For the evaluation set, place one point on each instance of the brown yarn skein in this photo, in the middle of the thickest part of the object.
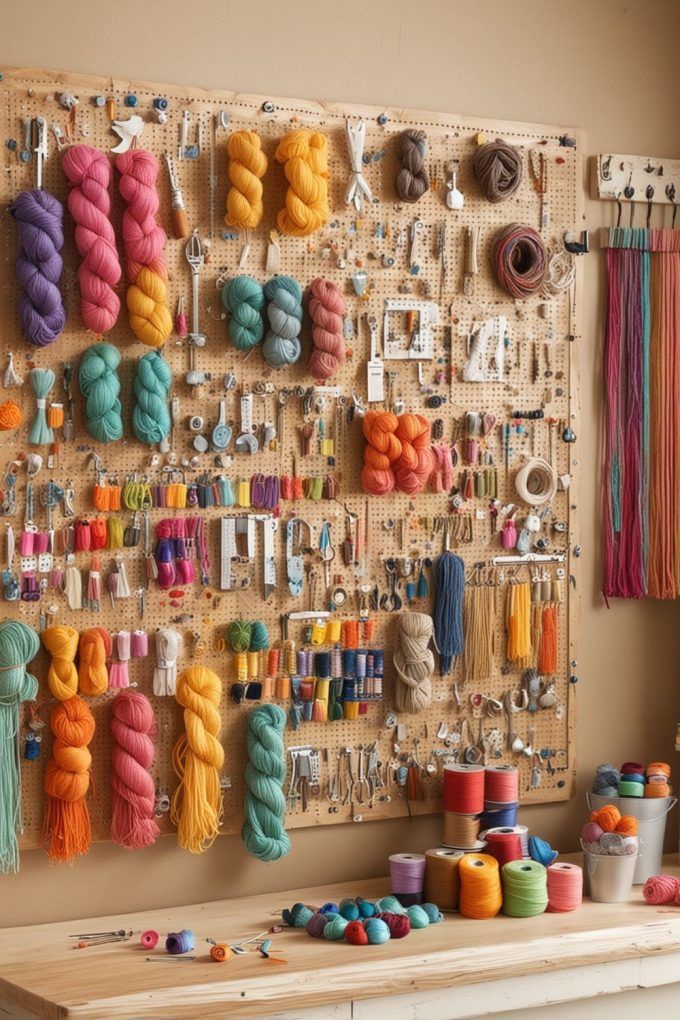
(498, 169)
(412, 178)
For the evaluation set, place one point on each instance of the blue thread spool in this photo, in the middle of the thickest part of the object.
(505, 817)
(322, 665)
(180, 942)
(349, 662)
(361, 664)
(32, 746)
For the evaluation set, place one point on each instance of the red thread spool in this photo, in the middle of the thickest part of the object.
(356, 933)
(149, 939)
(464, 789)
(565, 887)
(504, 846)
(501, 784)
(632, 768)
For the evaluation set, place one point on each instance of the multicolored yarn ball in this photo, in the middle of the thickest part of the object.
(335, 929)
(377, 931)
(316, 924)
(417, 916)
(660, 889)
(399, 924)
(355, 933)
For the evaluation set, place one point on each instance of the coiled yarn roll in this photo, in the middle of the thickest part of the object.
(89, 175)
(519, 260)
(100, 385)
(133, 824)
(263, 832)
(412, 177)
(382, 449)
(282, 344)
(62, 676)
(305, 157)
(39, 217)
(198, 758)
(18, 645)
(247, 165)
(243, 298)
(326, 310)
(414, 663)
(498, 169)
(414, 465)
(94, 648)
(150, 415)
(144, 241)
(67, 780)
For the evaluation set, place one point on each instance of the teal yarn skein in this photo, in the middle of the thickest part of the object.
(377, 931)
(335, 928)
(284, 311)
(263, 832)
(42, 380)
(18, 645)
(259, 636)
(390, 905)
(349, 910)
(417, 916)
(150, 415)
(243, 298)
(433, 912)
(100, 385)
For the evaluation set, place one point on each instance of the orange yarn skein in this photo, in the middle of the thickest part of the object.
(608, 817)
(94, 649)
(11, 416)
(62, 675)
(67, 779)
(382, 450)
(414, 466)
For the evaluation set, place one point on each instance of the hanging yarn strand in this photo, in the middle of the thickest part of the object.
(498, 169)
(326, 310)
(412, 177)
(67, 780)
(247, 167)
(39, 265)
(62, 676)
(413, 663)
(151, 415)
(100, 385)
(42, 380)
(89, 175)
(243, 298)
(304, 155)
(449, 591)
(133, 824)
(282, 343)
(479, 617)
(263, 832)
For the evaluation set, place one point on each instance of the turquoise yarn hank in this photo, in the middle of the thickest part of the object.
(18, 645)
(150, 415)
(390, 905)
(349, 910)
(100, 385)
(42, 381)
(284, 311)
(433, 912)
(335, 928)
(263, 832)
(377, 931)
(243, 298)
(298, 915)
(259, 636)
(417, 916)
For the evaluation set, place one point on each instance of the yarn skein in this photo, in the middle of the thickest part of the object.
(197, 759)
(326, 309)
(243, 298)
(133, 823)
(67, 779)
(42, 380)
(11, 416)
(449, 591)
(150, 415)
(414, 663)
(284, 310)
(62, 676)
(412, 177)
(39, 265)
(263, 832)
(382, 450)
(498, 169)
(100, 385)
(18, 645)
(304, 155)
(247, 165)
(144, 241)
(414, 464)
(89, 175)
(94, 648)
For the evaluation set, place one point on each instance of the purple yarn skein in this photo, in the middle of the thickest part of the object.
(39, 216)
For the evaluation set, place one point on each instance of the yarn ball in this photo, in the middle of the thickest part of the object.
(366, 907)
(541, 851)
(433, 912)
(11, 416)
(259, 636)
(661, 889)
(377, 931)
(608, 817)
(606, 779)
(390, 905)
(220, 952)
(627, 825)
(335, 929)
(150, 415)
(591, 832)
(243, 298)
(238, 635)
(316, 924)
(100, 385)
(632, 768)
(498, 169)
(417, 916)
(349, 910)
(326, 309)
(355, 933)
(284, 312)
(329, 908)
(399, 924)
(299, 915)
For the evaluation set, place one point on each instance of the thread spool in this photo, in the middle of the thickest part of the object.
(521, 830)
(180, 942)
(565, 887)
(407, 877)
(461, 831)
(464, 788)
(481, 896)
(442, 883)
(504, 817)
(504, 846)
(149, 939)
(501, 784)
(525, 892)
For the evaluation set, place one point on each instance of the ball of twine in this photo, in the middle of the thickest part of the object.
(498, 169)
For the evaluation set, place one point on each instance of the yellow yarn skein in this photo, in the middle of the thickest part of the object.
(305, 157)
(148, 312)
(62, 675)
(247, 164)
(197, 758)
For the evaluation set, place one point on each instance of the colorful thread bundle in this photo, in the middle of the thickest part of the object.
(304, 155)
(133, 824)
(281, 345)
(150, 415)
(413, 663)
(565, 887)
(243, 298)
(143, 242)
(67, 780)
(39, 265)
(326, 310)
(89, 175)
(519, 260)
(100, 385)
(247, 167)
(481, 896)
(442, 881)
(412, 179)
(263, 832)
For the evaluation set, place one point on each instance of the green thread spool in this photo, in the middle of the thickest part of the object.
(525, 888)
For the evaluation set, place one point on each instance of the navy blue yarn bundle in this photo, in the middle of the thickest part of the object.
(449, 588)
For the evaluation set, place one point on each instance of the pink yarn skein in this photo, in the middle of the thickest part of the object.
(660, 889)
(326, 309)
(133, 824)
(89, 176)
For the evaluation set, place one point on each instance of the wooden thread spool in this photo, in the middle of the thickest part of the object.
(442, 881)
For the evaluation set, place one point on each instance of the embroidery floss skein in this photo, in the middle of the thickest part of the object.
(62, 676)
(67, 780)
(18, 645)
(281, 345)
(414, 663)
(326, 310)
(498, 169)
(150, 415)
(144, 241)
(39, 217)
(412, 177)
(247, 165)
(243, 298)
(89, 175)
(304, 155)
(263, 832)
(449, 591)
(100, 385)
(133, 824)
(198, 758)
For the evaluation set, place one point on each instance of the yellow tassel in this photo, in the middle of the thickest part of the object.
(305, 157)
(247, 164)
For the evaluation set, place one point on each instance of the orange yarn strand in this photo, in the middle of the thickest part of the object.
(67, 779)
(94, 649)
(62, 676)
(547, 656)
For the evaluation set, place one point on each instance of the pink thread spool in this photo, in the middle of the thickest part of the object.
(149, 939)
(27, 543)
(140, 644)
(565, 887)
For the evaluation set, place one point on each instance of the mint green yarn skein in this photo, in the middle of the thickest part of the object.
(263, 832)
(150, 415)
(243, 298)
(100, 385)
(335, 928)
(417, 916)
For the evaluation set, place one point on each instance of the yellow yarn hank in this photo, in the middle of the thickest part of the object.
(518, 621)
(305, 157)
(148, 312)
(247, 164)
(197, 758)
(62, 676)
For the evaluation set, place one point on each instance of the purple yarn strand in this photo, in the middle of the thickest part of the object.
(39, 216)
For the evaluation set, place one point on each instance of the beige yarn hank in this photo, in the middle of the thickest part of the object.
(479, 627)
(414, 663)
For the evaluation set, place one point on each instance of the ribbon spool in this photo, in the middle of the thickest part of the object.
(495, 817)
(461, 831)
(501, 785)
(442, 882)
(407, 877)
(521, 830)
(464, 789)
(504, 846)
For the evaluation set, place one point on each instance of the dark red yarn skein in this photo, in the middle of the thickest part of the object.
(399, 924)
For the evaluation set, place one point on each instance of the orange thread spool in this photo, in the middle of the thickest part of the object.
(350, 634)
(282, 688)
(481, 895)
(55, 416)
(273, 660)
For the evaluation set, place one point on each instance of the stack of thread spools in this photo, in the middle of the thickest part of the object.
(521, 888)
(478, 798)
(501, 796)
(633, 780)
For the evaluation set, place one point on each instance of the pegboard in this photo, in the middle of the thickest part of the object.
(541, 371)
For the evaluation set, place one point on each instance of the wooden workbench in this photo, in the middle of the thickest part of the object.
(602, 948)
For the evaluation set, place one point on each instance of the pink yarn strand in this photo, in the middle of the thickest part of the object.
(133, 824)
(326, 309)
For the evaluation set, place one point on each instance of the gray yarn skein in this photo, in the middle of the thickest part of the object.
(281, 345)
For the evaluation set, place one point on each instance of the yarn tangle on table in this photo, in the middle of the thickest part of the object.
(39, 265)
(100, 385)
(42, 380)
(198, 758)
(498, 169)
(247, 165)
(94, 648)
(18, 645)
(243, 298)
(143, 242)
(449, 592)
(150, 415)
(304, 155)
(413, 179)
(89, 175)
(284, 310)
(133, 823)
(413, 663)
(62, 676)
(263, 832)
(326, 310)
(67, 779)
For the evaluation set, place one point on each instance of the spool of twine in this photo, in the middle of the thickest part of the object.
(461, 831)
(442, 882)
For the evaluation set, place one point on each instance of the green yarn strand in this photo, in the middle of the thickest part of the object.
(263, 832)
(243, 298)
(150, 415)
(100, 385)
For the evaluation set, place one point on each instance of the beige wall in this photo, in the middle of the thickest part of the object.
(609, 66)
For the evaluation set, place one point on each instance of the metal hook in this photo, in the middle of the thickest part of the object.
(649, 195)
